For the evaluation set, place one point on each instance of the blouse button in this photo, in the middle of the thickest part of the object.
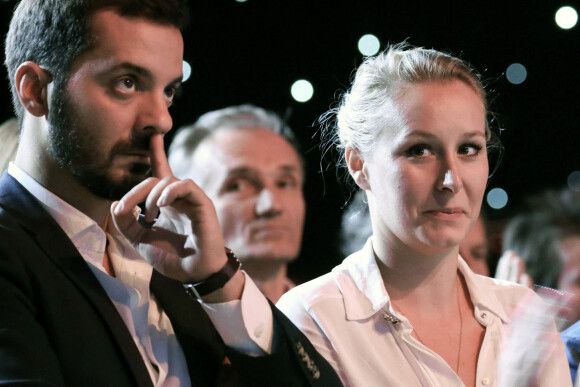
(483, 315)
(485, 381)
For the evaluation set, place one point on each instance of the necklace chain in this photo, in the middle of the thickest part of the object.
(460, 328)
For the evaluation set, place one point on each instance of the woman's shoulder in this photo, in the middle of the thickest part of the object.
(502, 286)
(313, 292)
(501, 294)
(332, 285)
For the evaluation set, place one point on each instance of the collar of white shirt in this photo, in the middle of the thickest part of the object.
(84, 232)
(364, 293)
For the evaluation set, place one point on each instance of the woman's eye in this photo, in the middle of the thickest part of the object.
(470, 150)
(419, 151)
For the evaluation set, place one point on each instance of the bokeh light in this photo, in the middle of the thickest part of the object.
(566, 17)
(497, 198)
(369, 45)
(516, 73)
(186, 71)
(302, 90)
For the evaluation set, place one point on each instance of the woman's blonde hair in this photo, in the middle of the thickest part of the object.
(369, 107)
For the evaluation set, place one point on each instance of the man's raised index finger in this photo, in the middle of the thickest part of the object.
(159, 165)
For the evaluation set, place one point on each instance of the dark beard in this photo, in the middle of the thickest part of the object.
(75, 148)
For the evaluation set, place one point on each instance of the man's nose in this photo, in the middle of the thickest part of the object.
(154, 114)
(267, 205)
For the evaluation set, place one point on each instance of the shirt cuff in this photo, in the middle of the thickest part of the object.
(246, 325)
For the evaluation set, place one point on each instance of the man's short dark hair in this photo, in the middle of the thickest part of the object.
(53, 33)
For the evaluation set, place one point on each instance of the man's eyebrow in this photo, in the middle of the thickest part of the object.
(128, 66)
(290, 169)
(251, 173)
(143, 72)
(242, 172)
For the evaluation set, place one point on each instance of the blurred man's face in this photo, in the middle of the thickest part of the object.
(254, 178)
(473, 249)
(569, 279)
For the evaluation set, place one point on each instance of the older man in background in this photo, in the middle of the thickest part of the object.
(245, 159)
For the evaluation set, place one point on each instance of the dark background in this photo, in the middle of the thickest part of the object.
(253, 52)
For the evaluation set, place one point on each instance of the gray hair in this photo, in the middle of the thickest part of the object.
(188, 138)
(369, 107)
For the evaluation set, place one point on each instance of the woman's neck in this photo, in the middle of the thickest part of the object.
(422, 278)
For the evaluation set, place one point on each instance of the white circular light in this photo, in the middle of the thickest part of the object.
(566, 17)
(302, 90)
(186, 71)
(497, 198)
(369, 45)
(516, 73)
(574, 181)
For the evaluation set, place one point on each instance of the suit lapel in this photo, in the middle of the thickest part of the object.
(54, 242)
(203, 347)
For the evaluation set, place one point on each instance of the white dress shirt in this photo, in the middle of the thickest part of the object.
(347, 315)
(246, 325)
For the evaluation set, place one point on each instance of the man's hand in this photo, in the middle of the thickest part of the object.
(511, 267)
(185, 242)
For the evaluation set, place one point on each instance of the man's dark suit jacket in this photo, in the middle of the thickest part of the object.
(58, 326)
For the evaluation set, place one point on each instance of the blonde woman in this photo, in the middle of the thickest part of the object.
(406, 310)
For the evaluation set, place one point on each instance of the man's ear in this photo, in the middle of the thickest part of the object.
(357, 167)
(32, 87)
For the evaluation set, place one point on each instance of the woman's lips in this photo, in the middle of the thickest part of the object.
(446, 213)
